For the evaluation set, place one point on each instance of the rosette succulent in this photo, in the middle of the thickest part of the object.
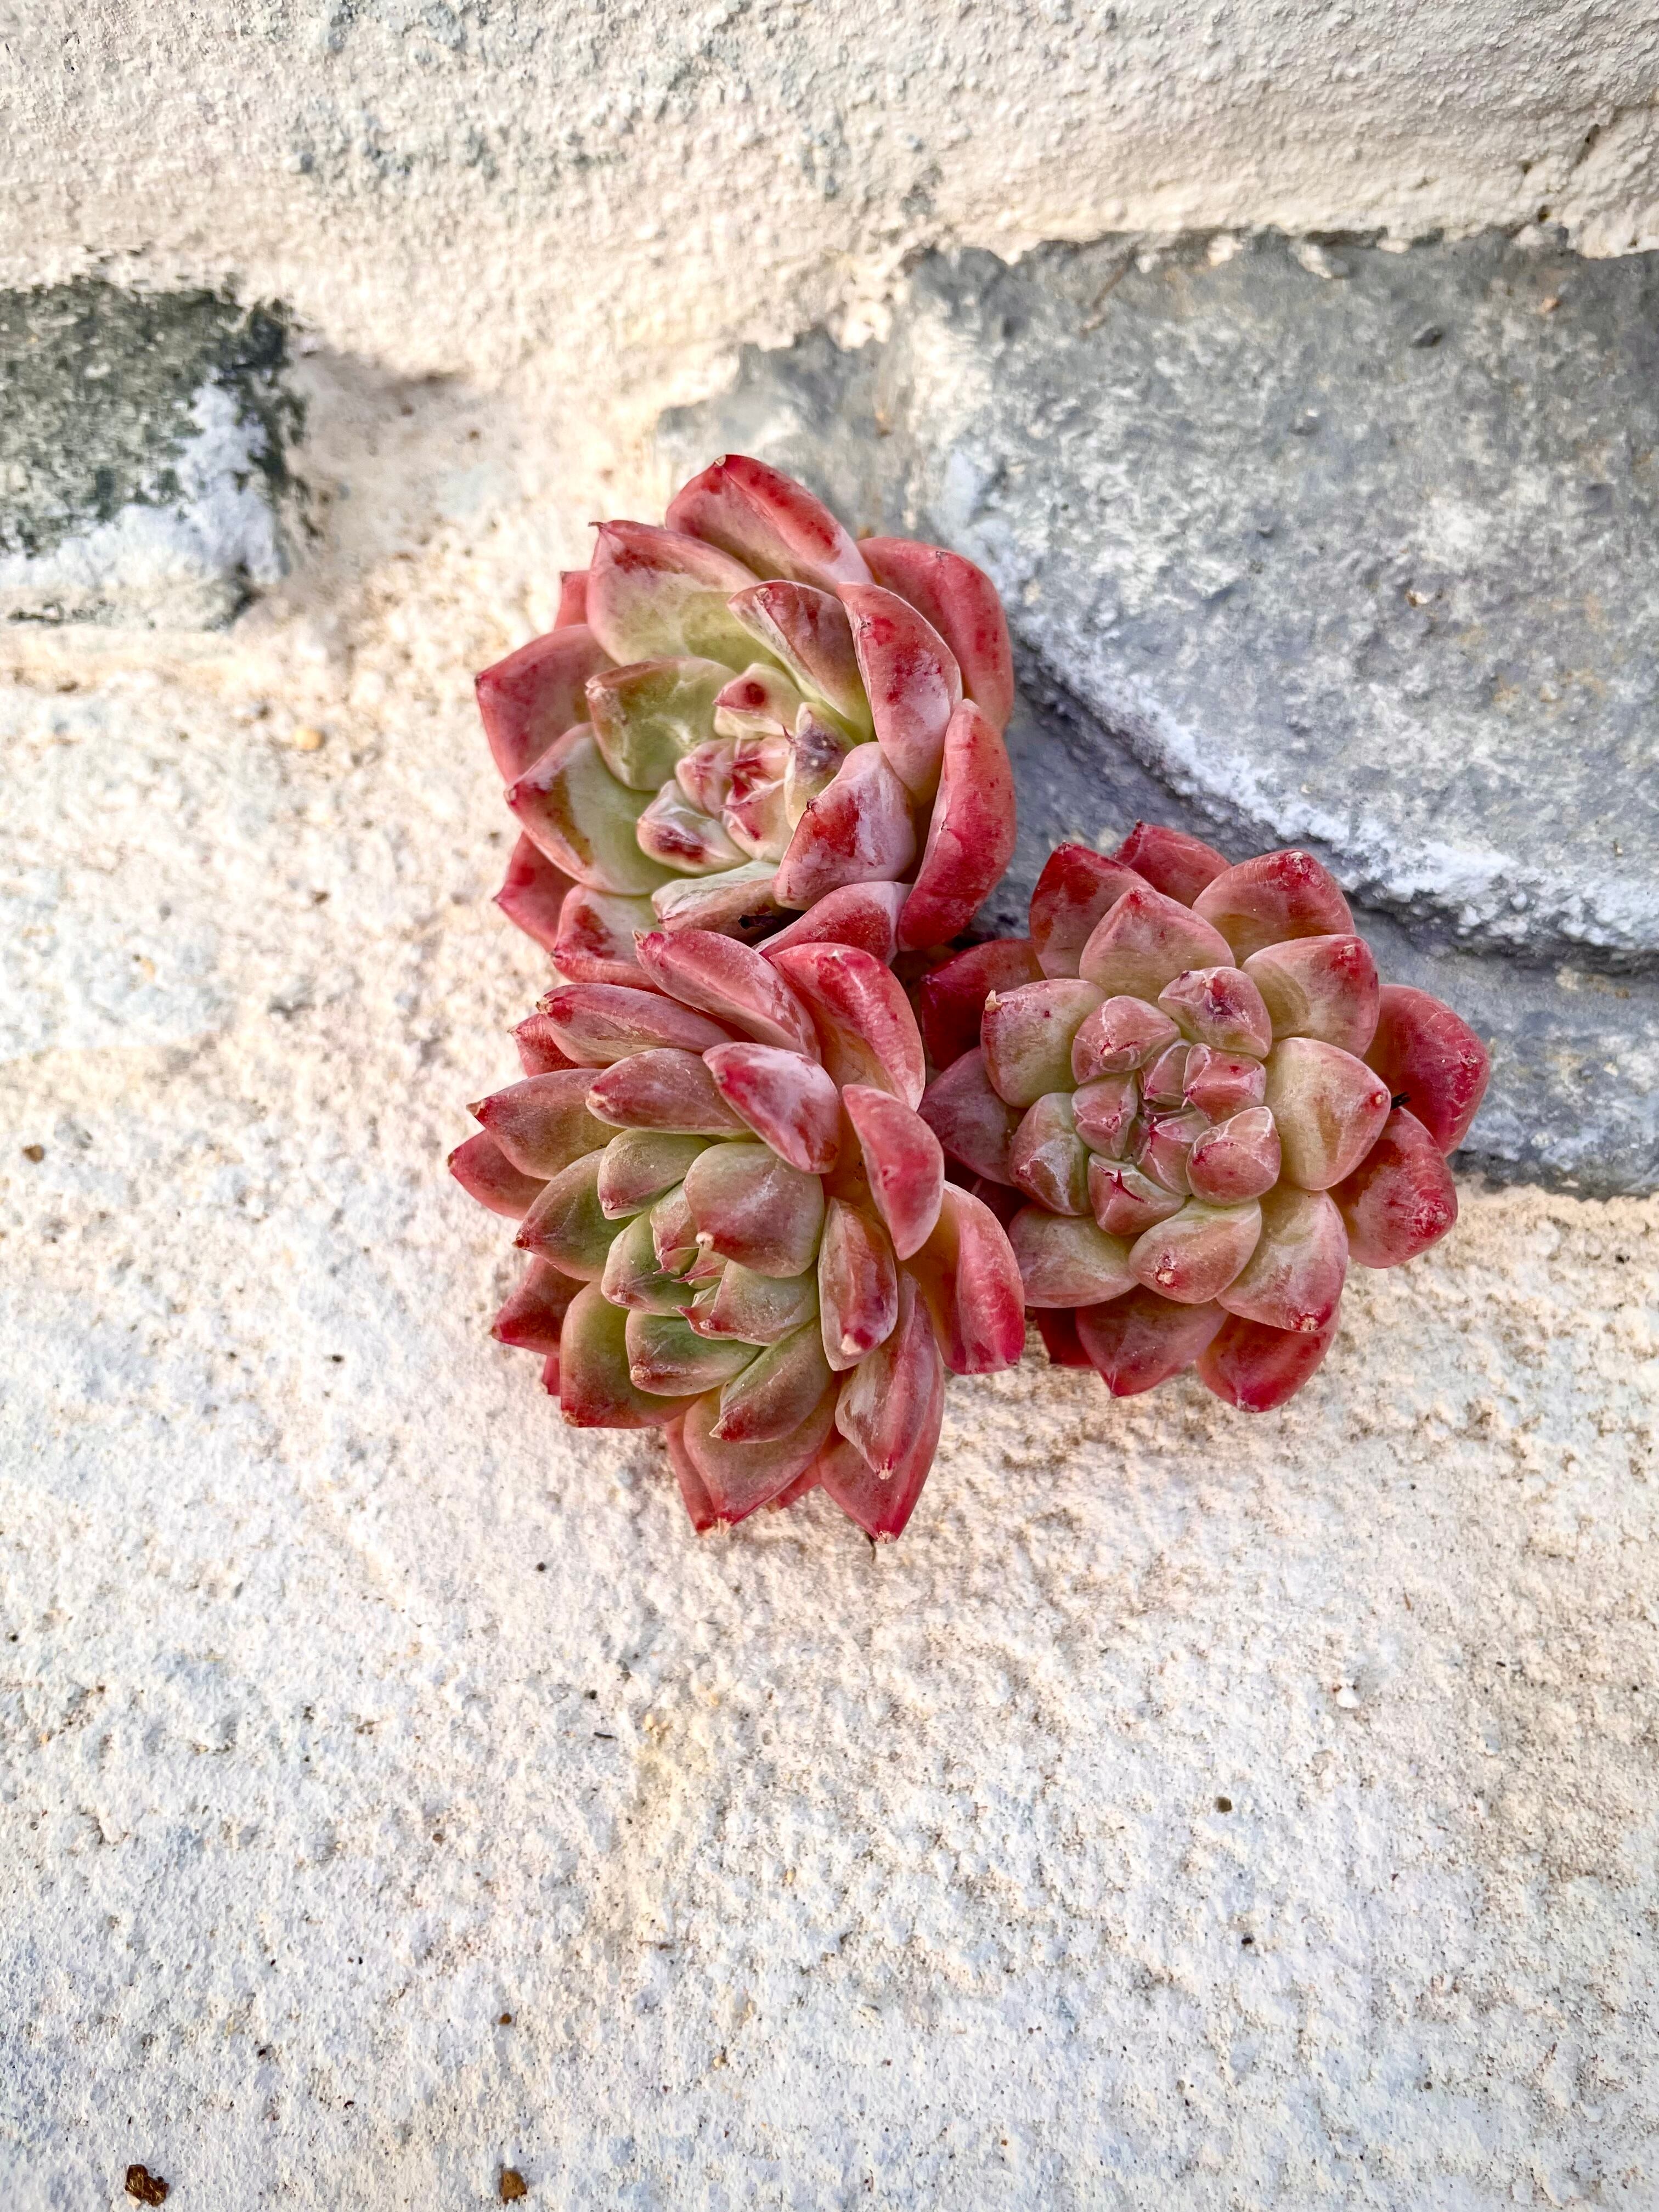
(744, 711)
(1194, 1102)
(740, 1228)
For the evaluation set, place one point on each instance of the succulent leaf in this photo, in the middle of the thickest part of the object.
(857, 829)
(665, 1088)
(596, 1390)
(1329, 1108)
(1047, 1157)
(1432, 1060)
(646, 717)
(1256, 1368)
(968, 1276)
(1194, 1254)
(598, 1023)
(776, 1391)
(751, 1206)
(731, 981)
(858, 1283)
(766, 520)
(910, 679)
(950, 998)
(891, 1406)
(904, 1162)
(970, 838)
(534, 1314)
(807, 631)
(484, 1172)
(1293, 1280)
(532, 893)
(1171, 860)
(961, 603)
(571, 806)
(1400, 1199)
(657, 594)
(1134, 1343)
(787, 1099)
(532, 697)
(866, 1031)
(740, 1477)
(595, 939)
(1064, 1261)
(1075, 892)
(639, 1166)
(1319, 987)
(1144, 941)
(973, 1122)
(758, 1309)
(1274, 897)
(634, 1278)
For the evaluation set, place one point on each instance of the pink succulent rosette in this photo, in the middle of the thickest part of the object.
(743, 712)
(740, 1228)
(1194, 1103)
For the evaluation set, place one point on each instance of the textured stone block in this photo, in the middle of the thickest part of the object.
(142, 455)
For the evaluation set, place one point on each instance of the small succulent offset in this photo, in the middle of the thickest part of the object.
(1194, 1102)
(739, 1227)
(744, 711)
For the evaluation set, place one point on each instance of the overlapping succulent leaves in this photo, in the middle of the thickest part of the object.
(740, 1228)
(744, 711)
(1186, 1094)
(1194, 1102)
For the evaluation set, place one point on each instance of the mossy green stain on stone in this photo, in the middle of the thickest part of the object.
(100, 391)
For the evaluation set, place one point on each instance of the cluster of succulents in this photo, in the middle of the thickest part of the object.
(786, 1153)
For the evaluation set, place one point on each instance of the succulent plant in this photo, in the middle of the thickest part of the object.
(1194, 1102)
(746, 711)
(739, 1229)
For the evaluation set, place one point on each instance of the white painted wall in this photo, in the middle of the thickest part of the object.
(627, 187)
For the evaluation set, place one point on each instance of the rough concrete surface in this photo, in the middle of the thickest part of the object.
(625, 190)
(1191, 1811)
(354, 1705)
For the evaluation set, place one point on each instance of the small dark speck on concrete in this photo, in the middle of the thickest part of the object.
(34, 1152)
(1224, 1804)
(512, 2185)
(148, 2188)
(1247, 1942)
(506, 2020)
(541, 1566)
(1429, 335)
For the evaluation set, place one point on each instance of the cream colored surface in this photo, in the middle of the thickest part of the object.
(353, 1704)
(620, 190)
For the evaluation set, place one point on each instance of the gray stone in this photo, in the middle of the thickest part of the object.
(142, 442)
(1316, 544)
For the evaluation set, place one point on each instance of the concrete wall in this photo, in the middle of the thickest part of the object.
(1193, 1812)
(627, 187)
